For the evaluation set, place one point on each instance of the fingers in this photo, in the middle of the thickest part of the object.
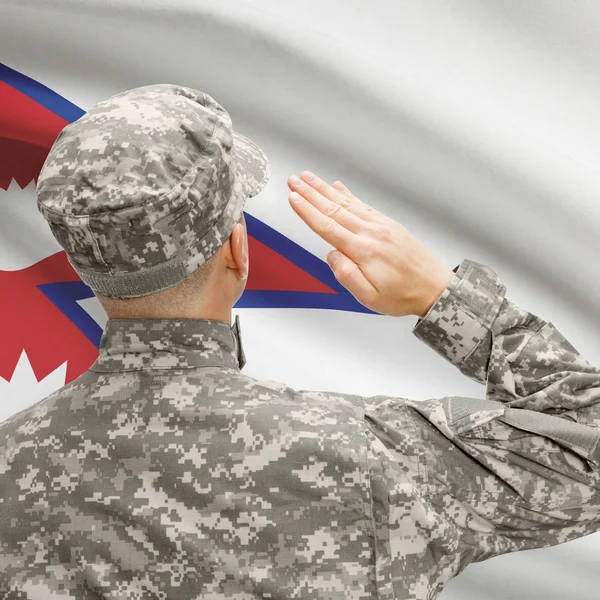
(331, 209)
(351, 277)
(337, 216)
(327, 227)
(344, 197)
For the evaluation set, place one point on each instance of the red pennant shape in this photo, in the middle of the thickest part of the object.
(30, 322)
(278, 273)
(27, 132)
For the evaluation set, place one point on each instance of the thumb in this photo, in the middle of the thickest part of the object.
(351, 277)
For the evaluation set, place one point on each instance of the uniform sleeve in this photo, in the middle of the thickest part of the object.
(520, 467)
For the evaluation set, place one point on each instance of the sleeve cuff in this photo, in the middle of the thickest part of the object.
(463, 314)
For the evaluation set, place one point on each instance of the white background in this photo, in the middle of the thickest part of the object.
(473, 123)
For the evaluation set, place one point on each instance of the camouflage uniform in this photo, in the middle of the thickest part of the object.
(165, 473)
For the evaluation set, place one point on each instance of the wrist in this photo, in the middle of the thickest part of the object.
(433, 292)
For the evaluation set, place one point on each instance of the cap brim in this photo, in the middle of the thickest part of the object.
(252, 165)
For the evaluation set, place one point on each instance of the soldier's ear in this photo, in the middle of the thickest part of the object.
(237, 251)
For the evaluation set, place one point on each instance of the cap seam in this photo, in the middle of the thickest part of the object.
(97, 246)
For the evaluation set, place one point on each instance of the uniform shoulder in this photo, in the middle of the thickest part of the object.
(42, 409)
(277, 389)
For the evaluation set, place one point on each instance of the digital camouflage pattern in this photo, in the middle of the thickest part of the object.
(165, 473)
(146, 186)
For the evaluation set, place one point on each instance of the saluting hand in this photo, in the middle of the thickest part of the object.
(376, 259)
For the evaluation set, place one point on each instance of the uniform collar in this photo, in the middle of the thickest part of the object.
(140, 344)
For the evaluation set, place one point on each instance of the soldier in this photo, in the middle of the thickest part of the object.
(164, 472)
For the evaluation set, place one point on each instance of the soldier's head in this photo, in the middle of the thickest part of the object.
(145, 193)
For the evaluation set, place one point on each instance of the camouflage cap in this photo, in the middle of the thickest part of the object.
(147, 186)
